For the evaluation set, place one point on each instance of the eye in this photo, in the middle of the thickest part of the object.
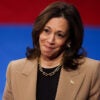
(60, 35)
(46, 30)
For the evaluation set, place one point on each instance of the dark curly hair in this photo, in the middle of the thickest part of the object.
(73, 53)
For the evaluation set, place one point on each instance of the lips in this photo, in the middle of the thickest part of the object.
(48, 48)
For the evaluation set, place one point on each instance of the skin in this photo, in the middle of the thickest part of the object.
(51, 41)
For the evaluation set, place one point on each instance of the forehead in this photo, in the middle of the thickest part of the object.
(59, 23)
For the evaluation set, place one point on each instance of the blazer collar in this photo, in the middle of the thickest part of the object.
(69, 84)
(69, 81)
(30, 70)
(30, 66)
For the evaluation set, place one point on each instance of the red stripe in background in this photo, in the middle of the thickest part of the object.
(25, 11)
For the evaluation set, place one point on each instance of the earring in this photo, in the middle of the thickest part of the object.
(69, 45)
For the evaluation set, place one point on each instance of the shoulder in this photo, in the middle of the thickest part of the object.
(90, 63)
(19, 65)
(18, 61)
(15, 64)
(90, 66)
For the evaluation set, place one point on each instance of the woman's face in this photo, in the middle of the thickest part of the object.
(53, 37)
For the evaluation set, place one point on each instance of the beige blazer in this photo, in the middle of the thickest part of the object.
(82, 84)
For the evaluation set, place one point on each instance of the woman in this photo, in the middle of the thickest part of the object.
(56, 68)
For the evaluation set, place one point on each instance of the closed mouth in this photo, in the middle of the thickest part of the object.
(49, 47)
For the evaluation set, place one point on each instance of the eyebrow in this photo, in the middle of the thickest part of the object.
(47, 27)
(57, 31)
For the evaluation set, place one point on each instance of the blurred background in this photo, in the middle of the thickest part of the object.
(17, 20)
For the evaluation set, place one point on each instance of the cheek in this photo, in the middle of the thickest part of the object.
(41, 40)
(61, 43)
(41, 37)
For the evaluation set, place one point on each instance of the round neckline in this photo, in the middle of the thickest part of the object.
(49, 68)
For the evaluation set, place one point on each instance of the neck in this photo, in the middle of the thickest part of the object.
(50, 63)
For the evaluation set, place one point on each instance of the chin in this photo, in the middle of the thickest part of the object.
(51, 55)
(48, 55)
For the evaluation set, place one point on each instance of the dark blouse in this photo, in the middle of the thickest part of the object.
(47, 85)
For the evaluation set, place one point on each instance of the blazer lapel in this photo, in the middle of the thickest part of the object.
(30, 78)
(30, 66)
(69, 84)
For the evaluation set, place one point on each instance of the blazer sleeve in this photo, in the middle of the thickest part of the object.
(95, 84)
(8, 95)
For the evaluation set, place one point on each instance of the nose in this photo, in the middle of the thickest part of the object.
(51, 39)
